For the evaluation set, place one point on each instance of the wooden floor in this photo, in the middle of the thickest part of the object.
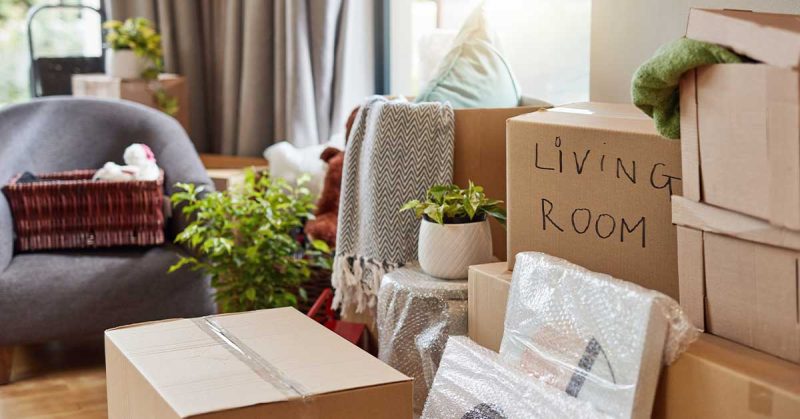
(56, 381)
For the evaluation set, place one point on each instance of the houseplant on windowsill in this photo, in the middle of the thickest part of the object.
(134, 47)
(134, 52)
(246, 240)
(454, 231)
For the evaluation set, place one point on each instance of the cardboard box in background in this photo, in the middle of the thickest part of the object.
(480, 156)
(735, 282)
(184, 368)
(740, 123)
(591, 183)
(488, 287)
(718, 379)
(103, 86)
(225, 179)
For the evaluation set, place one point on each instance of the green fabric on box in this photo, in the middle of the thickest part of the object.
(655, 84)
(473, 74)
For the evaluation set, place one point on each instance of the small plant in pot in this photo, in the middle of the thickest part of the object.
(246, 240)
(134, 48)
(134, 52)
(454, 231)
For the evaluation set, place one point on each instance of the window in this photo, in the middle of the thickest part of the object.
(546, 43)
(56, 33)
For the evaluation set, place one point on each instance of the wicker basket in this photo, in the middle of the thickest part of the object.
(70, 210)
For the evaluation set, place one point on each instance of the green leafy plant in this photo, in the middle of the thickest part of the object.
(246, 240)
(140, 36)
(449, 204)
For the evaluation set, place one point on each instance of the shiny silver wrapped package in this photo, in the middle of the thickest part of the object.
(473, 383)
(416, 313)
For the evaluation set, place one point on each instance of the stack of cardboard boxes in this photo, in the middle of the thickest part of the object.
(591, 183)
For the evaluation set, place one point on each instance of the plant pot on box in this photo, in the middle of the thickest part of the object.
(447, 250)
(125, 64)
(454, 233)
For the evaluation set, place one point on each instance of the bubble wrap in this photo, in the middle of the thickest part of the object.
(474, 383)
(416, 313)
(594, 337)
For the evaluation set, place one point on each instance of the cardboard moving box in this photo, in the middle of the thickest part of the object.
(488, 287)
(739, 277)
(269, 363)
(480, 155)
(227, 179)
(591, 183)
(718, 379)
(104, 86)
(740, 123)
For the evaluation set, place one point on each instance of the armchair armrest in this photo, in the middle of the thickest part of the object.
(6, 234)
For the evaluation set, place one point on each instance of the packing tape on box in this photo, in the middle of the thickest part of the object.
(251, 358)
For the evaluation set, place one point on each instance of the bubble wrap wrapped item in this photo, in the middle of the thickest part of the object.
(473, 383)
(594, 337)
(416, 313)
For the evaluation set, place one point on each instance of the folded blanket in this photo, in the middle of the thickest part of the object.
(396, 151)
(655, 84)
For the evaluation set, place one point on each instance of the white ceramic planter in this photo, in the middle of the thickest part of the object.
(446, 251)
(125, 64)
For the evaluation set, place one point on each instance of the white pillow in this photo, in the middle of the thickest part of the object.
(289, 162)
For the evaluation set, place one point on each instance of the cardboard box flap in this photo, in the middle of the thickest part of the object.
(688, 213)
(767, 37)
(198, 372)
(595, 115)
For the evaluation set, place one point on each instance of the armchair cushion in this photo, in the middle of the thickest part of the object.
(53, 295)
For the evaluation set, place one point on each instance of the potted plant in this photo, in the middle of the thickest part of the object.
(134, 47)
(246, 240)
(454, 231)
(134, 52)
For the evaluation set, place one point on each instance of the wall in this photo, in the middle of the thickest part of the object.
(625, 33)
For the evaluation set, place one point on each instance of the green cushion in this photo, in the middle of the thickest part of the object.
(473, 74)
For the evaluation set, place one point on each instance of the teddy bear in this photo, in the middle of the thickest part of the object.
(323, 226)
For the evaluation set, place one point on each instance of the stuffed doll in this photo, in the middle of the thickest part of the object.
(141, 156)
(140, 164)
(323, 226)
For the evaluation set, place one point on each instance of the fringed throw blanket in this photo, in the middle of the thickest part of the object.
(397, 150)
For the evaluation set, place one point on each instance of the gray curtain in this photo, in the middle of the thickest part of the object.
(261, 71)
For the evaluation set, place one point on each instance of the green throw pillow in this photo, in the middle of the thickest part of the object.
(473, 74)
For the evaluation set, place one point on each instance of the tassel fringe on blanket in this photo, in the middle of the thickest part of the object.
(396, 151)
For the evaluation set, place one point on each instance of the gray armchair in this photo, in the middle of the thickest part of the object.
(60, 294)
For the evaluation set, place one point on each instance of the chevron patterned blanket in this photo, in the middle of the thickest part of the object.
(395, 152)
